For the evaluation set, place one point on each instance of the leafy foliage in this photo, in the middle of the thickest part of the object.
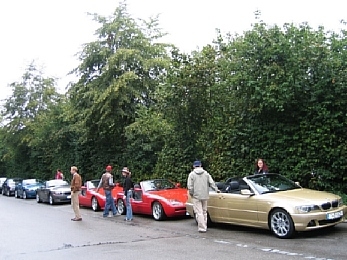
(278, 93)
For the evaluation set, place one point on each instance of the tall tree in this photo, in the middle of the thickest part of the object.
(118, 74)
(31, 97)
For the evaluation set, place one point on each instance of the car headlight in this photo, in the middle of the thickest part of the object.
(307, 208)
(340, 201)
(57, 192)
(175, 202)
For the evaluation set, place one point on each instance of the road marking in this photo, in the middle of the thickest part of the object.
(275, 251)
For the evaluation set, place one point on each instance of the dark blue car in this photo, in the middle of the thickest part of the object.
(26, 189)
(9, 186)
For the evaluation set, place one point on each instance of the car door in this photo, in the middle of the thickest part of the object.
(141, 201)
(42, 191)
(46, 191)
(242, 209)
(82, 197)
(217, 207)
(39, 190)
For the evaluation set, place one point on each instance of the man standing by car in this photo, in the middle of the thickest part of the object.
(128, 187)
(76, 184)
(106, 182)
(199, 182)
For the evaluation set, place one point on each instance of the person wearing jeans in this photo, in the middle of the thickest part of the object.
(127, 189)
(106, 182)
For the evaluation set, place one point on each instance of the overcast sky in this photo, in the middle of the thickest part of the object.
(51, 32)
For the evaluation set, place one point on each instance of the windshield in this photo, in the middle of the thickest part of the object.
(13, 181)
(157, 185)
(33, 185)
(29, 181)
(266, 183)
(93, 184)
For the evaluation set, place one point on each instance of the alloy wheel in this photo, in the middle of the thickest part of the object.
(281, 224)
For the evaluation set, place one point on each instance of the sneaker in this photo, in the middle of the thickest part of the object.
(202, 231)
(116, 215)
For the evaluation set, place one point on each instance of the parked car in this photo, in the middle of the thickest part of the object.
(160, 198)
(26, 189)
(273, 202)
(2, 180)
(96, 200)
(9, 186)
(54, 191)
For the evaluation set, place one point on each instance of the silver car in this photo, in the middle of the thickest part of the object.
(54, 191)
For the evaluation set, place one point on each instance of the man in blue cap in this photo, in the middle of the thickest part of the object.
(198, 184)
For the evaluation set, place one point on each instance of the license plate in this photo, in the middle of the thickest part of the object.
(335, 215)
(69, 197)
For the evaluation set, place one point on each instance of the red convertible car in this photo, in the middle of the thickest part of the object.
(160, 198)
(96, 200)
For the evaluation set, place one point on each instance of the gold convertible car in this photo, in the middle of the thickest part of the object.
(271, 201)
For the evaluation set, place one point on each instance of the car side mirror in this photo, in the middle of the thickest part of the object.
(178, 185)
(297, 183)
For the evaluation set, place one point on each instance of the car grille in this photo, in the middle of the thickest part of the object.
(329, 205)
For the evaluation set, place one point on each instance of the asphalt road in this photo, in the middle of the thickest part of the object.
(40, 231)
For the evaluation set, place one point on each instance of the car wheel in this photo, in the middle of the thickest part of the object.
(24, 195)
(281, 223)
(51, 200)
(16, 194)
(121, 207)
(8, 193)
(38, 200)
(158, 211)
(95, 204)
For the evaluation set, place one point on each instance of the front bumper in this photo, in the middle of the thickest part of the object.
(31, 194)
(316, 220)
(175, 211)
(61, 198)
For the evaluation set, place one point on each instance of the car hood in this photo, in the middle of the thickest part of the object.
(304, 195)
(61, 188)
(171, 194)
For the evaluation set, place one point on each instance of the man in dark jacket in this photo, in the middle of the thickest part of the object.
(106, 182)
(128, 188)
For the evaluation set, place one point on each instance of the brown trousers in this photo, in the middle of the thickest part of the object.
(75, 203)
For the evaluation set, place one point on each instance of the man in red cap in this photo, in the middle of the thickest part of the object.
(106, 182)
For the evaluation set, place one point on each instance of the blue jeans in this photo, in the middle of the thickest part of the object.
(109, 204)
(128, 205)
